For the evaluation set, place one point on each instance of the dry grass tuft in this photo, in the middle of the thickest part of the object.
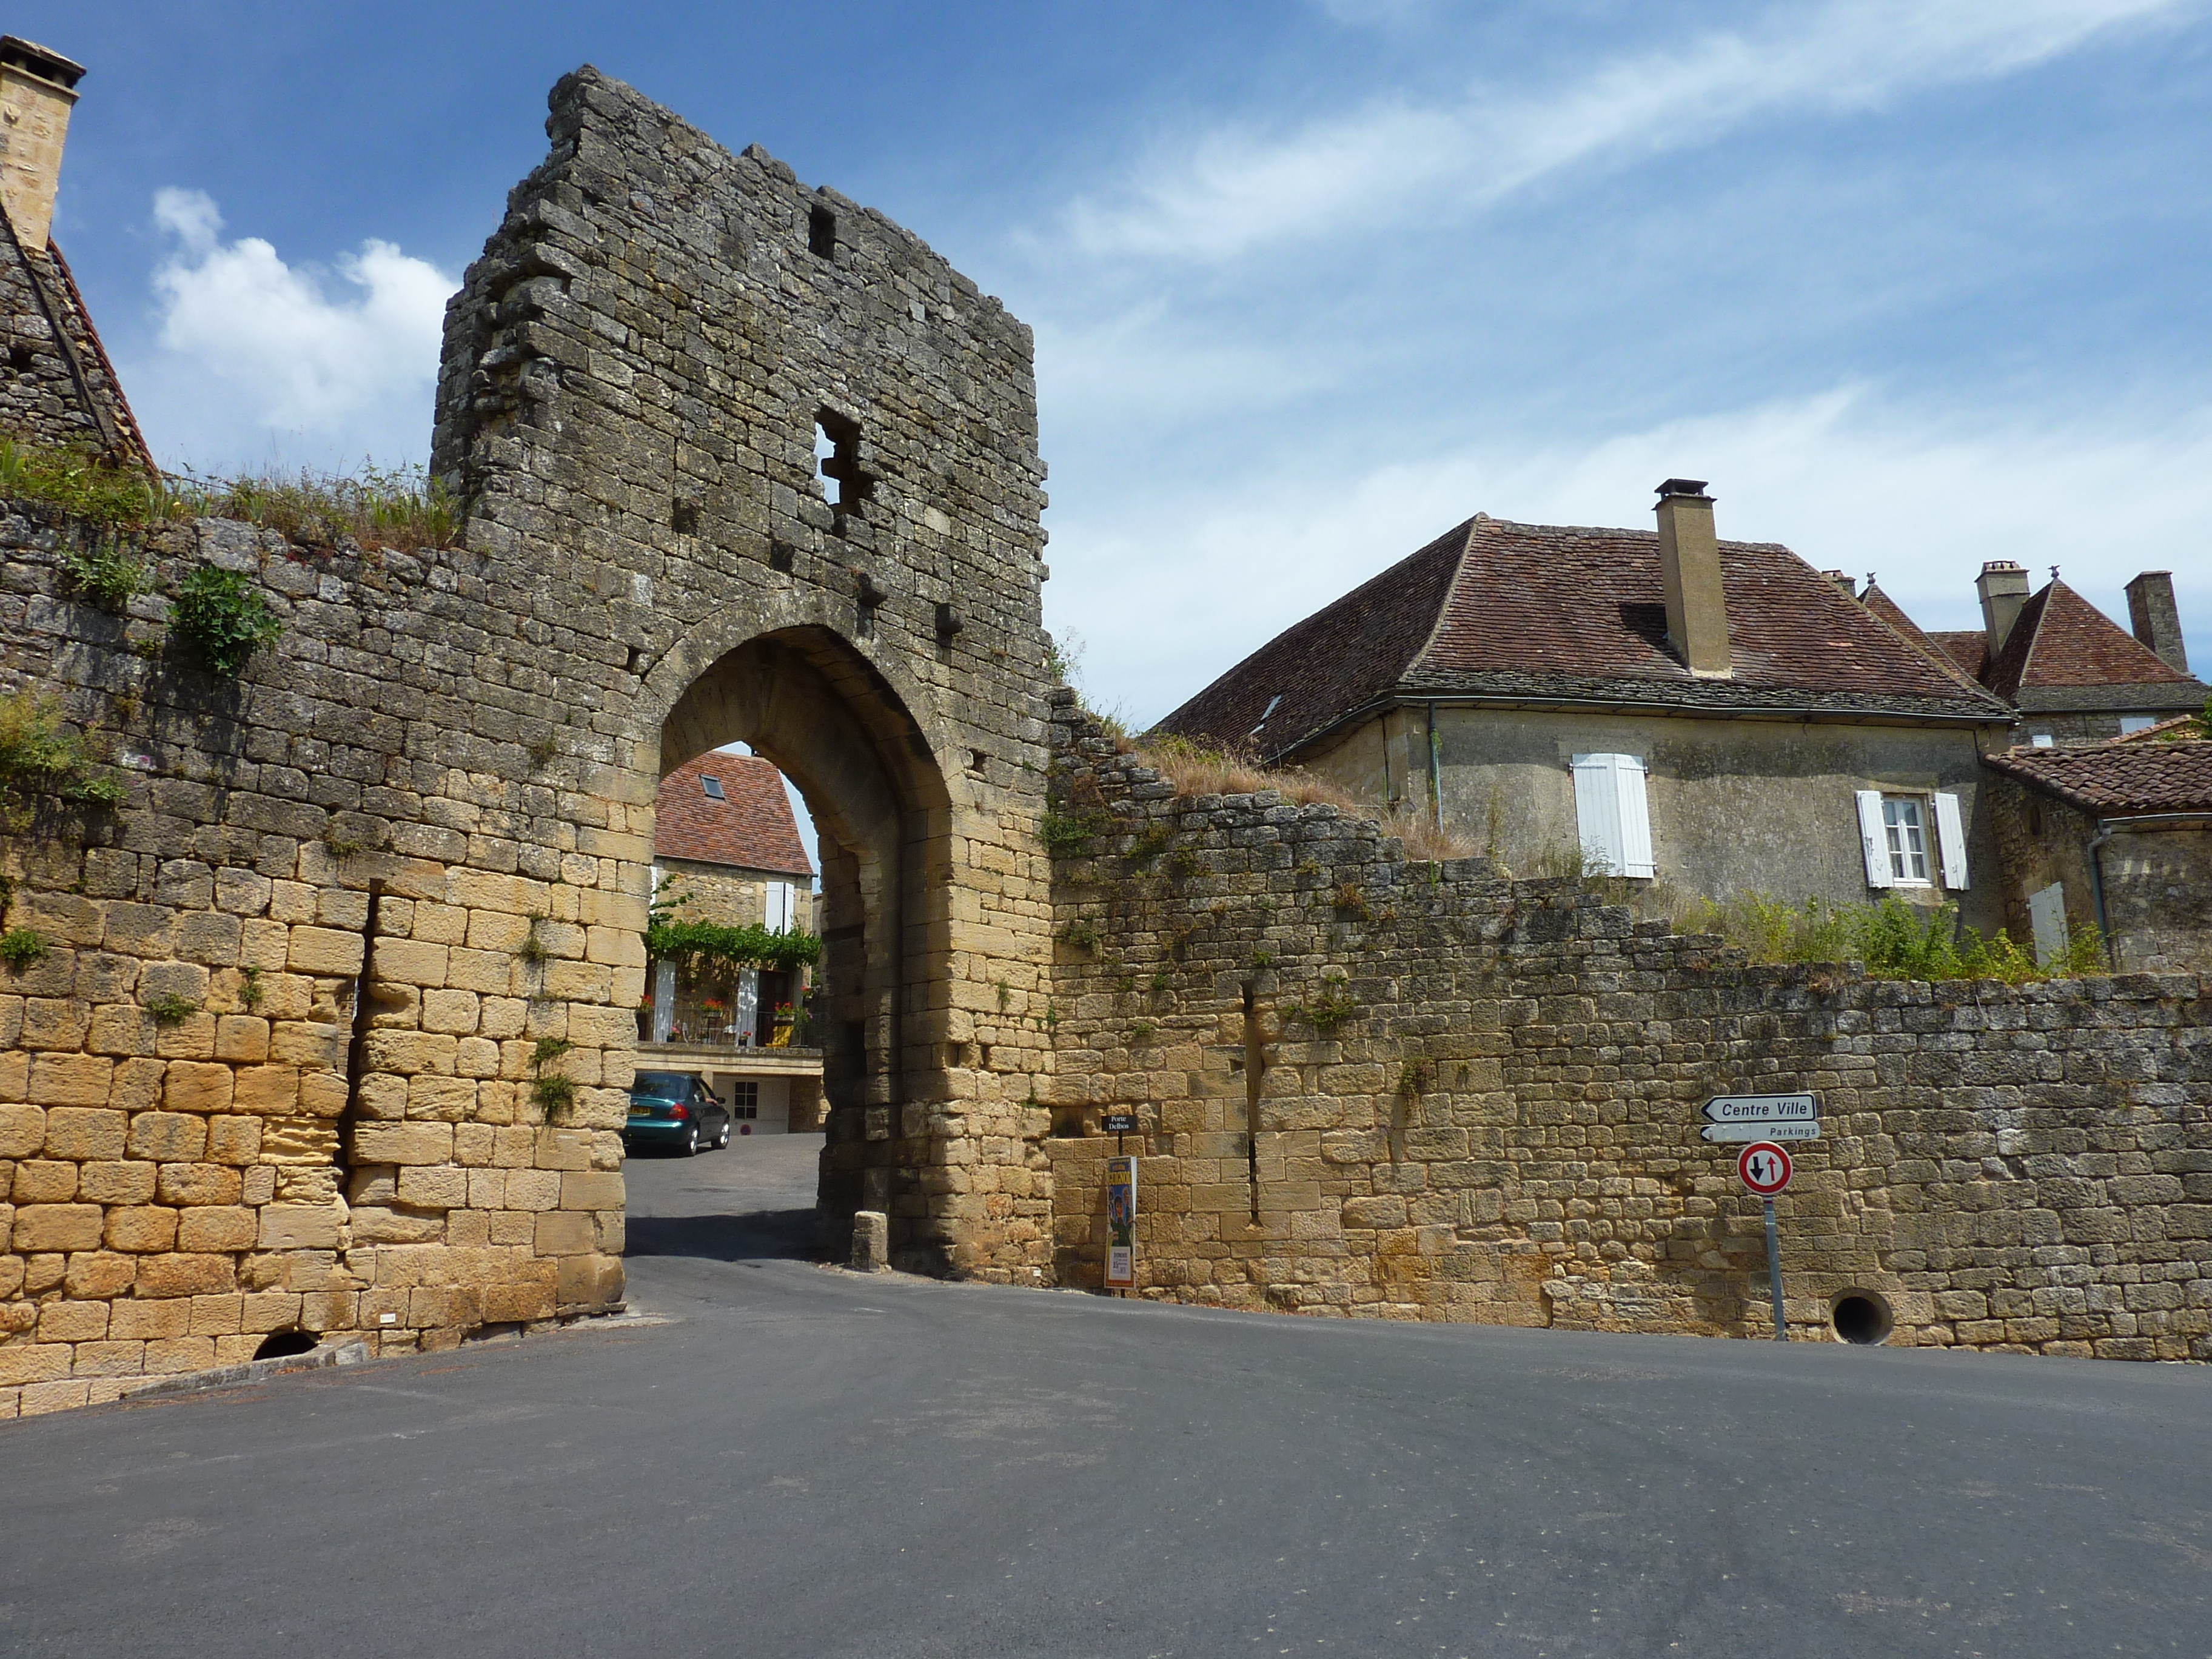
(1198, 768)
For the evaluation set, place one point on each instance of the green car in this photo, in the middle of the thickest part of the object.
(675, 1111)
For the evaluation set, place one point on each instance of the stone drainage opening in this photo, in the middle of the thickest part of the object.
(1861, 1317)
(282, 1344)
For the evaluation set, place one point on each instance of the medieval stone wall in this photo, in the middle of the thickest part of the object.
(1480, 1101)
(279, 1066)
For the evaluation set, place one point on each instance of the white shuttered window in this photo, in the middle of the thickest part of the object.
(1874, 838)
(1950, 843)
(1611, 815)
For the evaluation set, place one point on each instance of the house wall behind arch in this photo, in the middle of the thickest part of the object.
(464, 744)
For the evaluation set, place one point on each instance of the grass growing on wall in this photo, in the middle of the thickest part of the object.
(1200, 769)
(1894, 940)
(400, 507)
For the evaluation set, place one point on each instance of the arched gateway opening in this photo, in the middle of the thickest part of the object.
(804, 699)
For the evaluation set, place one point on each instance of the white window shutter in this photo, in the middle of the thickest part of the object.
(1635, 817)
(1597, 813)
(1874, 839)
(1950, 843)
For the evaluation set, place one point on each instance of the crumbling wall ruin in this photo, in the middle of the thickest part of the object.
(1480, 1101)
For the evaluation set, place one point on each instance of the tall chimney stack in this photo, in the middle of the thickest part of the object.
(37, 90)
(2156, 622)
(1690, 563)
(2003, 587)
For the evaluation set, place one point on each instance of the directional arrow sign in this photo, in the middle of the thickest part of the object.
(1762, 1109)
(1803, 1129)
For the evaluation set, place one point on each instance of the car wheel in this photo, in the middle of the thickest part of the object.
(690, 1148)
(723, 1139)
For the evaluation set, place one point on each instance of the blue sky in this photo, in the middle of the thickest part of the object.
(1915, 285)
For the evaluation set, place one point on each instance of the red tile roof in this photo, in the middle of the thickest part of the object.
(2064, 652)
(1968, 647)
(1933, 647)
(1516, 612)
(2117, 777)
(751, 827)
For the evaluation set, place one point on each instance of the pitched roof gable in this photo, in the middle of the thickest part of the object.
(1569, 614)
(1345, 655)
(2061, 642)
(751, 828)
(2118, 777)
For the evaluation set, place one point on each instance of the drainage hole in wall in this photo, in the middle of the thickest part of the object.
(282, 1344)
(1861, 1317)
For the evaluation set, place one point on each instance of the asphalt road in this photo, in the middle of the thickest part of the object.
(805, 1461)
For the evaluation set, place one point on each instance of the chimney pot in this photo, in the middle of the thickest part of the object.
(2003, 586)
(1689, 566)
(2156, 621)
(1851, 590)
(37, 89)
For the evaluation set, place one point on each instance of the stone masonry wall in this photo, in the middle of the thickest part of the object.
(1480, 1101)
(276, 1068)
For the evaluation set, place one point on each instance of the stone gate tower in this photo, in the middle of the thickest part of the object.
(638, 373)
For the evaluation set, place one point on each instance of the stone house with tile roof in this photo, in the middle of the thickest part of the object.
(726, 849)
(1715, 714)
(57, 386)
(2115, 833)
(2074, 675)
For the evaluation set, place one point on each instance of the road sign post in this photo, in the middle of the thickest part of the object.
(1765, 1168)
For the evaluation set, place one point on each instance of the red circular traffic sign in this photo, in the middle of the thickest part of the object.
(1764, 1167)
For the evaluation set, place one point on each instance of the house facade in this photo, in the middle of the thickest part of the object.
(726, 851)
(1718, 715)
(2115, 834)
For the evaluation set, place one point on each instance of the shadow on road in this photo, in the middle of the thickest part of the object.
(756, 1236)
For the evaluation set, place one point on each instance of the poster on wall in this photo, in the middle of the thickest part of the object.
(1120, 1223)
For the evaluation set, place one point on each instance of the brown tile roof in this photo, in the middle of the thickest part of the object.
(2119, 777)
(1885, 610)
(2064, 652)
(1513, 612)
(1968, 647)
(751, 827)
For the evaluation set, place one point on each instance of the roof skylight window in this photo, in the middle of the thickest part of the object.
(713, 788)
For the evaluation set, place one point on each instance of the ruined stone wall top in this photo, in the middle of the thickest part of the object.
(633, 373)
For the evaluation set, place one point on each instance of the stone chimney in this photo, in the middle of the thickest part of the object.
(1849, 588)
(2003, 587)
(1690, 565)
(37, 89)
(2157, 623)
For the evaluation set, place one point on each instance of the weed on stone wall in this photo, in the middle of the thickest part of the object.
(106, 575)
(225, 616)
(41, 757)
(401, 507)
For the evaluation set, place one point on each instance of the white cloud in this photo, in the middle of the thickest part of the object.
(1171, 591)
(1225, 192)
(257, 358)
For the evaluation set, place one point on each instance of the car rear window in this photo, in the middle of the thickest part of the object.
(660, 1085)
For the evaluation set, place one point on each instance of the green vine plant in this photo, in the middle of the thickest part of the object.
(712, 944)
(19, 947)
(553, 1093)
(1083, 933)
(170, 1009)
(1329, 1011)
(532, 951)
(1065, 834)
(105, 576)
(226, 616)
(250, 988)
(41, 757)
